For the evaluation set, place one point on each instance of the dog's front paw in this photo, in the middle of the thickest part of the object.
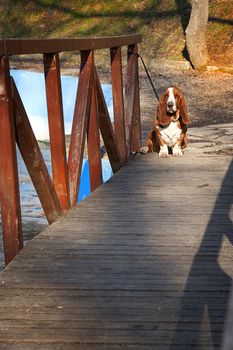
(144, 149)
(177, 151)
(163, 153)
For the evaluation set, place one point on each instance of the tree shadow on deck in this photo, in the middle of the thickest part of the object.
(205, 297)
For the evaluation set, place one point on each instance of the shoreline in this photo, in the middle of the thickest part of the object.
(200, 88)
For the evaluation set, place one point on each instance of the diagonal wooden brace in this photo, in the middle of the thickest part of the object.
(81, 115)
(107, 129)
(33, 160)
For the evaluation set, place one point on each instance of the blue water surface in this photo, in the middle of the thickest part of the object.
(85, 187)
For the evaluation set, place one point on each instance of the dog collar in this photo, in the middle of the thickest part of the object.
(177, 117)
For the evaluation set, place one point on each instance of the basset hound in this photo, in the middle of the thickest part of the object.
(170, 125)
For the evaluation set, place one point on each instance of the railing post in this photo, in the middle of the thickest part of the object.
(136, 118)
(118, 100)
(9, 184)
(132, 102)
(56, 128)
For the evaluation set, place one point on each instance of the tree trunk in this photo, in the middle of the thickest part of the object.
(196, 34)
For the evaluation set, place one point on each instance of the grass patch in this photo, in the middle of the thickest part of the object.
(161, 22)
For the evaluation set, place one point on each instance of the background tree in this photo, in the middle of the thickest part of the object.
(196, 34)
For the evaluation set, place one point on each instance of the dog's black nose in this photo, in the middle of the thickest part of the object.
(170, 104)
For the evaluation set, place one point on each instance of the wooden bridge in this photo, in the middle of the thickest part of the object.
(145, 262)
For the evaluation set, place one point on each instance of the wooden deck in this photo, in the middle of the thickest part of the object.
(144, 263)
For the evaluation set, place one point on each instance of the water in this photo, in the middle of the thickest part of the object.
(31, 86)
(30, 204)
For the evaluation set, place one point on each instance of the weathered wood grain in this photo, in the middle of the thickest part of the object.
(145, 262)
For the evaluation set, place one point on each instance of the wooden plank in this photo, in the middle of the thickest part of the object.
(228, 329)
(56, 128)
(81, 115)
(118, 100)
(107, 129)
(9, 184)
(36, 46)
(33, 160)
(10, 291)
(70, 335)
(93, 142)
(59, 346)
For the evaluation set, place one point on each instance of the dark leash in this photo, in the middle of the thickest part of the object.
(153, 87)
(148, 75)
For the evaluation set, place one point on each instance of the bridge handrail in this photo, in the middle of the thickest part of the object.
(11, 46)
(59, 194)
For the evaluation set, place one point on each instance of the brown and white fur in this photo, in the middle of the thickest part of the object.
(170, 125)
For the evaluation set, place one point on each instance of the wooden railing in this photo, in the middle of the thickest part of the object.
(59, 194)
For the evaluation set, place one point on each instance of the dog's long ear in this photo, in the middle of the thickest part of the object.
(183, 110)
(161, 114)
